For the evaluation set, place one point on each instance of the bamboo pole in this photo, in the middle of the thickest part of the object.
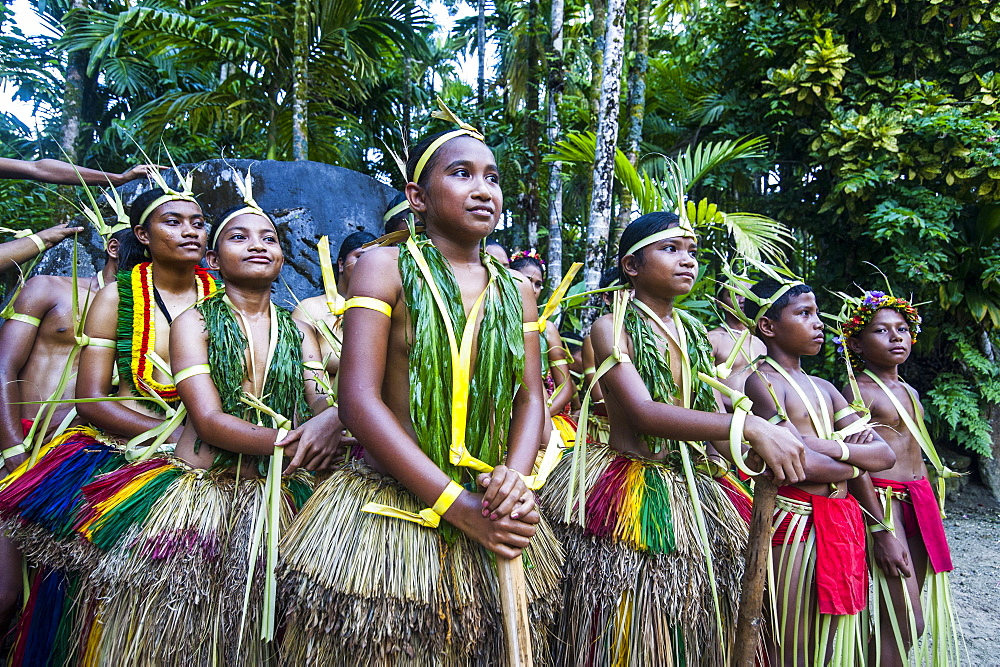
(514, 606)
(750, 618)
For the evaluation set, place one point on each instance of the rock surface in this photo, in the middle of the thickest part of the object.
(305, 199)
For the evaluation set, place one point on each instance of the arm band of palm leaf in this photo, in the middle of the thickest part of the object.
(26, 319)
(378, 305)
(429, 517)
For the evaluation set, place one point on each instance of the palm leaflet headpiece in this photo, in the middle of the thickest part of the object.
(444, 113)
(250, 205)
(185, 193)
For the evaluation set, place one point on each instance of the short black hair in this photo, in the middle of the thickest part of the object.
(349, 245)
(213, 235)
(398, 221)
(767, 288)
(639, 229)
(525, 260)
(414, 157)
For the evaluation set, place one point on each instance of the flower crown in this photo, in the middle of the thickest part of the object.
(531, 254)
(862, 314)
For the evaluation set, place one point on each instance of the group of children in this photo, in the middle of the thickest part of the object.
(336, 486)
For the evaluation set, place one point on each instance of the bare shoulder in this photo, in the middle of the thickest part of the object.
(377, 274)
(189, 322)
(826, 386)
(40, 293)
(311, 309)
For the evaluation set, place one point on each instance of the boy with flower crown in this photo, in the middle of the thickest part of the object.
(907, 546)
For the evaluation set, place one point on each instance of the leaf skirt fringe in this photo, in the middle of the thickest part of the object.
(801, 635)
(364, 589)
(636, 587)
(176, 545)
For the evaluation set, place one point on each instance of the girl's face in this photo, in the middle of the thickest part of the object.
(462, 194)
(175, 232)
(247, 250)
(668, 267)
(534, 276)
(885, 342)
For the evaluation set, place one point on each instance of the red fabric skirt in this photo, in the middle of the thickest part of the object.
(922, 514)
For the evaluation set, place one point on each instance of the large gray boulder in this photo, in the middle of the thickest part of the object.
(306, 200)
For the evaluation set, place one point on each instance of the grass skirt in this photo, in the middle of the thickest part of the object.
(636, 589)
(39, 505)
(170, 584)
(364, 589)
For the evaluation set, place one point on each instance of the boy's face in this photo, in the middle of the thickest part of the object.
(668, 267)
(463, 190)
(248, 250)
(799, 331)
(885, 342)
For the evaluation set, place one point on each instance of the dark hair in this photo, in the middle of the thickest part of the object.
(525, 260)
(349, 245)
(130, 251)
(414, 157)
(222, 216)
(765, 289)
(398, 221)
(609, 276)
(572, 340)
(639, 229)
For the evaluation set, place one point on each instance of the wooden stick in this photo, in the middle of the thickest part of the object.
(514, 605)
(750, 619)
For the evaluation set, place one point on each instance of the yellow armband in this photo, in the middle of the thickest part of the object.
(533, 327)
(880, 527)
(100, 342)
(378, 305)
(27, 319)
(845, 452)
(589, 370)
(429, 517)
(559, 362)
(191, 371)
(314, 365)
(38, 242)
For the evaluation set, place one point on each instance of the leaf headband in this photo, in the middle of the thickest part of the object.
(444, 113)
(245, 186)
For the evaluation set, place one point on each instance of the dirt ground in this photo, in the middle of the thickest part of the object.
(973, 527)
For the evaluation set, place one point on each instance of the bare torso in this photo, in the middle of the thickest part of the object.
(723, 341)
(798, 415)
(888, 424)
(55, 338)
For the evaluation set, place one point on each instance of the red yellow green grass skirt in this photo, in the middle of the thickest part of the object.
(170, 585)
(364, 589)
(636, 586)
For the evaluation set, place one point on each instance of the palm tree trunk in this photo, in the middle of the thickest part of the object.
(300, 82)
(598, 28)
(481, 48)
(604, 155)
(635, 105)
(72, 111)
(532, 131)
(555, 86)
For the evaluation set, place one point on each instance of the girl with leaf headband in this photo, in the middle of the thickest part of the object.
(126, 330)
(247, 374)
(908, 552)
(392, 560)
(654, 546)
